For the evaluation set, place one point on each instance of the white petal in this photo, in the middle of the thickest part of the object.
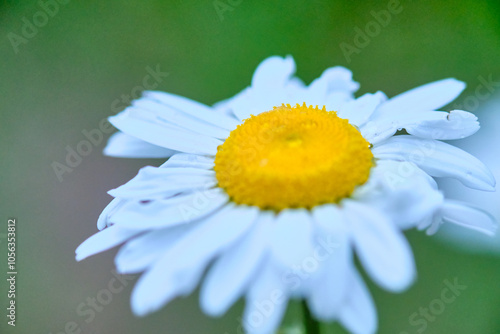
(465, 215)
(224, 106)
(408, 206)
(483, 145)
(215, 234)
(438, 159)
(247, 103)
(336, 100)
(174, 276)
(152, 182)
(292, 237)
(104, 240)
(456, 124)
(266, 302)
(294, 89)
(179, 118)
(189, 160)
(273, 71)
(143, 251)
(334, 86)
(359, 314)
(403, 192)
(271, 87)
(329, 218)
(431, 96)
(109, 210)
(163, 135)
(381, 248)
(193, 108)
(359, 111)
(121, 145)
(334, 257)
(296, 84)
(231, 273)
(176, 210)
(432, 222)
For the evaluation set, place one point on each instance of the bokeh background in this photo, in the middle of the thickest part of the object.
(67, 77)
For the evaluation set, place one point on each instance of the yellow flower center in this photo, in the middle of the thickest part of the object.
(293, 157)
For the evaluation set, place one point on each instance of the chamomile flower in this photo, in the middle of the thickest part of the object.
(273, 191)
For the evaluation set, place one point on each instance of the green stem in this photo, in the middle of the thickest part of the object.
(311, 325)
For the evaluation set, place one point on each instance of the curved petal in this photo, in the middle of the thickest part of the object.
(329, 218)
(438, 159)
(484, 146)
(456, 124)
(382, 249)
(229, 276)
(273, 71)
(163, 135)
(193, 108)
(294, 90)
(171, 276)
(266, 302)
(104, 240)
(292, 237)
(431, 96)
(143, 251)
(270, 88)
(333, 88)
(153, 182)
(359, 314)
(402, 191)
(189, 160)
(333, 252)
(169, 212)
(246, 104)
(465, 215)
(358, 111)
(109, 210)
(178, 118)
(121, 145)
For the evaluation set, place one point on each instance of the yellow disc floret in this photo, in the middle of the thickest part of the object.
(293, 157)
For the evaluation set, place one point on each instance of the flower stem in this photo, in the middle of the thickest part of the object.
(311, 325)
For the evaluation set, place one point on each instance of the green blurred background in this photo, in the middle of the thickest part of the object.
(66, 77)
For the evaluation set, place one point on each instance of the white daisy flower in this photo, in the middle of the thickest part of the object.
(273, 196)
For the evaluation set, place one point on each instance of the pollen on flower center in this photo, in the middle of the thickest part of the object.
(293, 157)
